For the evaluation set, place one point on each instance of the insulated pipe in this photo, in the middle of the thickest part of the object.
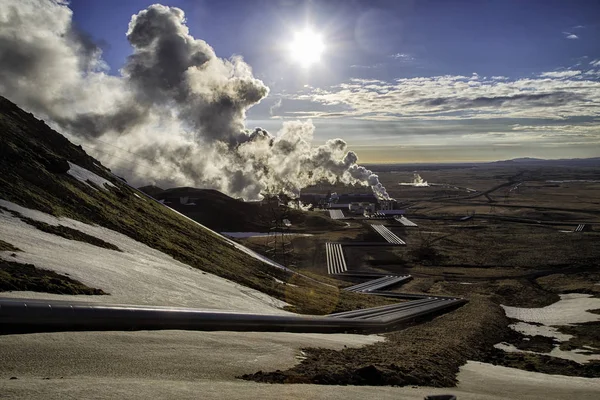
(21, 315)
(367, 311)
(376, 284)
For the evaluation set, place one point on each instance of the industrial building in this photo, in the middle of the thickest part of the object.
(351, 203)
(361, 203)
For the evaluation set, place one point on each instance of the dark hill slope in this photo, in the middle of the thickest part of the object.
(33, 165)
(151, 190)
(226, 214)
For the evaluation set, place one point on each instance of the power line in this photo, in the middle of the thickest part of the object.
(145, 158)
(148, 162)
(120, 148)
(121, 158)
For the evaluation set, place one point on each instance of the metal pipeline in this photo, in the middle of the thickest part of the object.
(22, 315)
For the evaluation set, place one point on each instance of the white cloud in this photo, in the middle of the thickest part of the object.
(402, 56)
(275, 107)
(569, 35)
(560, 74)
(595, 63)
(582, 130)
(592, 73)
(553, 95)
(374, 66)
(368, 81)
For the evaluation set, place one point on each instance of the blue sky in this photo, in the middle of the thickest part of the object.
(418, 80)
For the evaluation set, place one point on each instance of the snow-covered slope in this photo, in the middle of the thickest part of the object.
(137, 275)
(83, 175)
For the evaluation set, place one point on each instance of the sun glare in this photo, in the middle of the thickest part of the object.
(307, 48)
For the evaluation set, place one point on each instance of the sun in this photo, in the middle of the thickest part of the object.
(307, 47)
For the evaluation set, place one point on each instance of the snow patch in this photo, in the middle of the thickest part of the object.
(284, 283)
(575, 181)
(571, 309)
(477, 380)
(85, 176)
(137, 275)
(540, 330)
(572, 355)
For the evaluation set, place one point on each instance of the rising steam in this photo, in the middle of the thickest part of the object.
(417, 181)
(176, 108)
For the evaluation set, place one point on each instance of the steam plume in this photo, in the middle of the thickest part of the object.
(417, 181)
(176, 108)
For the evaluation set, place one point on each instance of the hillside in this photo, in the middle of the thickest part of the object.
(151, 190)
(43, 171)
(226, 214)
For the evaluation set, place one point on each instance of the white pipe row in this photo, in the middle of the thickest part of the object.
(388, 235)
(336, 214)
(336, 263)
(405, 221)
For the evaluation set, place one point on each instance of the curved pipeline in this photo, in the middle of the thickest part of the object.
(20, 316)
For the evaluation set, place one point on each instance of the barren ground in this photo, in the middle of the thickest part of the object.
(517, 250)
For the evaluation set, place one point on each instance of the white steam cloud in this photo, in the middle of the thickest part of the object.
(176, 108)
(417, 182)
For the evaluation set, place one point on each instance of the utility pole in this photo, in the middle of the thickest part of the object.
(279, 244)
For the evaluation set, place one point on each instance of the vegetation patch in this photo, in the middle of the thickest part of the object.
(426, 254)
(70, 233)
(452, 245)
(584, 282)
(510, 292)
(542, 363)
(536, 343)
(5, 246)
(429, 354)
(586, 336)
(26, 277)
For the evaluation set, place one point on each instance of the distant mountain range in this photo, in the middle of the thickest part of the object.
(595, 161)
(524, 161)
